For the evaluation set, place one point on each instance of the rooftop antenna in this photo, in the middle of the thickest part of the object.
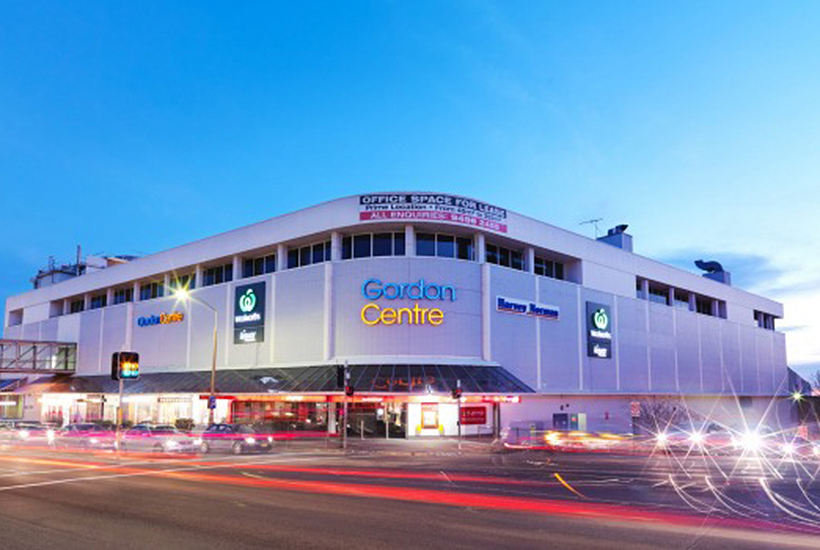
(594, 223)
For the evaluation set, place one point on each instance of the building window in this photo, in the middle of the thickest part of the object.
(217, 275)
(149, 291)
(76, 306)
(98, 301)
(122, 295)
(658, 295)
(703, 306)
(181, 282)
(444, 246)
(307, 255)
(369, 245)
(464, 248)
(505, 257)
(548, 268)
(251, 267)
(361, 246)
(681, 299)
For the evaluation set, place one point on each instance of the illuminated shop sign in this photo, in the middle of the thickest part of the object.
(432, 207)
(161, 319)
(523, 307)
(249, 313)
(374, 314)
(599, 331)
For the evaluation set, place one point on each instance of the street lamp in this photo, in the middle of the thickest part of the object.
(184, 296)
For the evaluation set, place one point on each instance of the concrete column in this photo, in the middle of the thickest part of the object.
(486, 311)
(136, 291)
(671, 297)
(529, 265)
(109, 297)
(237, 267)
(166, 284)
(715, 308)
(329, 340)
(66, 306)
(87, 300)
(693, 306)
(480, 248)
(335, 246)
(644, 289)
(197, 277)
(281, 257)
(409, 240)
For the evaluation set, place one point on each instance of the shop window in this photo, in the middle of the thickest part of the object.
(425, 244)
(76, 306)
(308, 255)
(182, 282)
(361, 246)
(464, 248)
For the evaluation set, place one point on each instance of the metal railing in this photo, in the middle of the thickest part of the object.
(33, 356)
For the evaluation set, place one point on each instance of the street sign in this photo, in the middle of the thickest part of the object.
(635, 409)
(473, 415)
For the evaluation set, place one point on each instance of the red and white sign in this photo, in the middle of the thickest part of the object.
(432, 207)
(473, 415)
(635, 409)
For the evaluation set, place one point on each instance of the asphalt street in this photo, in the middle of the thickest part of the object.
(317, 497)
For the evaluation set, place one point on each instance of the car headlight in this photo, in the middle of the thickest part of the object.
(787, 448)
(50, 435)
(197, 441)
(750, 441)
(94, 440)
(172, 444)
(250, 440)
(696, 438)
(270, 439)
(662, 439)
(23, 434)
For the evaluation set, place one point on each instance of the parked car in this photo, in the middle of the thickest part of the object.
(159, 438)
(235, 438)
(84, 436)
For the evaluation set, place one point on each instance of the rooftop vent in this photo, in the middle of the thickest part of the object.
(714, 271)
(618, 237)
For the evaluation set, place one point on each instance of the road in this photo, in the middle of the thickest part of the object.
(312, 497)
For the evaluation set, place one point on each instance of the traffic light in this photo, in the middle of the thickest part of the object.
(349, 391)
(457, 393)
(125, 365)
(340, 376)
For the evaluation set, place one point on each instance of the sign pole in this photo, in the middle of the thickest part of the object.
(458, 385)
(344, 418)
(119, 422)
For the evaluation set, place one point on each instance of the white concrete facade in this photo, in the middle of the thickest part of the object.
(313, 314)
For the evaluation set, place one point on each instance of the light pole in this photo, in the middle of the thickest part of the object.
(184, 296)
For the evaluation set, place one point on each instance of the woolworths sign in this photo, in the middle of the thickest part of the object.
(249, 314)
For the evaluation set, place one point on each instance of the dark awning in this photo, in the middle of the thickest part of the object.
(11, 384)
(312, 379)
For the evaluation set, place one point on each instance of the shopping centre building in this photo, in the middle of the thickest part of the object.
(416, 293)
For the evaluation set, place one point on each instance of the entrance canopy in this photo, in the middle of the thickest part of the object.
(412, 379)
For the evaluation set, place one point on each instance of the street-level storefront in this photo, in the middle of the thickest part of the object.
(388, 400)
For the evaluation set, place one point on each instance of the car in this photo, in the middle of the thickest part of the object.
(28, 432)
(159, 438)
(84, 436)
(235, 438)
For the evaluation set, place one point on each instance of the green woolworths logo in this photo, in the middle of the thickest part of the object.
(247, 301)
(600, 319)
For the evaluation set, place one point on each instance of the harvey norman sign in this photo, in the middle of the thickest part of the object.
(432, 207)
(524, 307)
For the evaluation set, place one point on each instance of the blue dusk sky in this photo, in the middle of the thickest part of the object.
(132, 127)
